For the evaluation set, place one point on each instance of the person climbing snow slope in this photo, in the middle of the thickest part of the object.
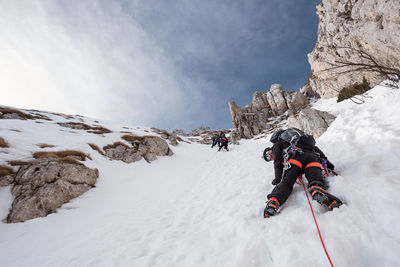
(302, 159)
(223, 142)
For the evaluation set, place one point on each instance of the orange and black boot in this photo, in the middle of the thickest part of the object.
(324, 198)
(272, 207)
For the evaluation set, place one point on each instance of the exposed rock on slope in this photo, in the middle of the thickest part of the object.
(370, 25)
(311, 121)
(44, 185)
(147, 147)
(257, 116)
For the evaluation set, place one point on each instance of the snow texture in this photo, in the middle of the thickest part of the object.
(202, 208)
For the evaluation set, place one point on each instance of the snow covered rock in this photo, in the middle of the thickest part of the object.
(44, 185)
(311, 121)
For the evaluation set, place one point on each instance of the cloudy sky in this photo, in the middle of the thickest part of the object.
(163, 63)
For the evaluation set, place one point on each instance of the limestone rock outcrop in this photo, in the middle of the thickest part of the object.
(257, 116)
(147, 147)
(45, 184)
(311, 121)
(372, 26)
(171, 137)
(200, 130)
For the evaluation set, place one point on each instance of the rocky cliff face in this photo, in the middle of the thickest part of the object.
(372, 26)
(265, 108)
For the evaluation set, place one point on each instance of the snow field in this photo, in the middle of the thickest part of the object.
(201, 207)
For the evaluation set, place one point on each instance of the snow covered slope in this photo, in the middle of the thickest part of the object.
(201, 207)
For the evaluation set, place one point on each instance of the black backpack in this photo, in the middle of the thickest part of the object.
(275, 136)
(291, 136)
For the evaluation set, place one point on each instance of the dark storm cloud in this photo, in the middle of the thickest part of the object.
(169, 64)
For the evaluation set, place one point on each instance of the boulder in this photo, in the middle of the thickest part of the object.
(311, 121)
(45, 185)
(147, 147)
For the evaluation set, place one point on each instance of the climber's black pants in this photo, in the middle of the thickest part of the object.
(307, 163)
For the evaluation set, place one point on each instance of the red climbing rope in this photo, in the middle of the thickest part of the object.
(315, 220)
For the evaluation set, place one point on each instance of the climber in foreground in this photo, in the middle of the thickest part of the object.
(283, 140)
(215, 140)
(301, 158)
(223, 142)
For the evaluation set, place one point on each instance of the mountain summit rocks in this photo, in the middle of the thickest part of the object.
(265, 108)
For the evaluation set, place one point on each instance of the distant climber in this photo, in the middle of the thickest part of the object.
(215, 140)
(223, 142)
(295, 156)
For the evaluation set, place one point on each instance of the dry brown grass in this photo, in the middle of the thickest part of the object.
(44, 145)
(132, 138)
(3, 143)
(41, 117)
(70, 160)
(18, 162)
(22, 115)
(75, 125)
(99, 130)
(61, 154)
(95, 147)
(114, 145)
(82, 126)
(126, 132)
(5, 170)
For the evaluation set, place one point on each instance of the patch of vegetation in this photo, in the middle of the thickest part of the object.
(21, 115)
(82, 126)
(5, 170)
(126, 132)
(132, 138)
(95, 147)
(18, 162)
(114, 145)
(99, 130)
(70, 160)
(3, 143)
(44, 145)
(353, 90)
(61, 154)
